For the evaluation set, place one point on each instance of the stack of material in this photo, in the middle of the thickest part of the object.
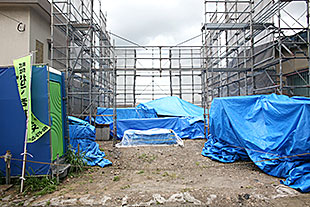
(273, 131)
(133, 138)
(184, 118)
(83, 135)
(105, 115)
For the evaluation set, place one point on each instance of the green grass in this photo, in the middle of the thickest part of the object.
(45, 185)
(125, 187)
(40, 186)
(75, 160)
(140, 172)
(166, 174)
(147, 158)
(116, 178)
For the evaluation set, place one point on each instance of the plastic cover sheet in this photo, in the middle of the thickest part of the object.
(273, 128)
(84, 136)
(13, 122)
(123, 113)
(183, 127)
(75, 121)
(133, 138)
(173, 106)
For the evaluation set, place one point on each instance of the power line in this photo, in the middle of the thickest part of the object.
(127, 40)
(181, 43)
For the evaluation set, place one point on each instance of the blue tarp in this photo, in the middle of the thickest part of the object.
(75, 121)
(181, 126)
(123, 113)
(13, 121)
(173, 106)
(263, 127)
(84, 135)
(83, 131)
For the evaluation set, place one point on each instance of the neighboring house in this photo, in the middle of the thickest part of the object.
(296, 68)
(24, 27)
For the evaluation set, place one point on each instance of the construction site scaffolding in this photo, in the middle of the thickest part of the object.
(81, 48)
(255, 47)
(145, 73)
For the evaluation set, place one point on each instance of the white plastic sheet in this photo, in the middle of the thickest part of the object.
(151, 137)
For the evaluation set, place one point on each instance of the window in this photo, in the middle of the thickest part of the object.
(296, 80)
(39, 52)
(49, 49)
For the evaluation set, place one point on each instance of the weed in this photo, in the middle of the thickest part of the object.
(165, 174)
(48, 203)
(77, 161)
(125, 187)
(83, 182)
(41, 185)
(20, 203)
(173, 175)
(147, 158)
(185, 190)
(140, 172)
(156, 172)
(142, 156)
(197, 163)
(116, 178)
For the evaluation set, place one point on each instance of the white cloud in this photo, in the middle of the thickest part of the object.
(158, 22)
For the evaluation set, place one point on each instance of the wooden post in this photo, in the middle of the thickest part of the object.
(7, 160)
(57, 168)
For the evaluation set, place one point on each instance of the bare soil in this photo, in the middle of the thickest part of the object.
(167, 176)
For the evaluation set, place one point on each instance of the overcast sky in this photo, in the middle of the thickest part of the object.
(155, 22)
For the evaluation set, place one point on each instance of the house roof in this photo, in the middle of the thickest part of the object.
(36, 4)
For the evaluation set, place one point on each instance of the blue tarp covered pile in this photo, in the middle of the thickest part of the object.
(123, 113)
(84, 135)
(271, 130)
(181, 126)
(173, 106)
(184, 118)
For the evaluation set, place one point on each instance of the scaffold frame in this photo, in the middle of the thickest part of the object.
(249, 46)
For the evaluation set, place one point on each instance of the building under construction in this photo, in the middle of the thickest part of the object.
(249, 47)
(84, 53)
(256, 47)
(86, 89)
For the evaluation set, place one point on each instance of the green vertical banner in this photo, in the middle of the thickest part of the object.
(36, 128)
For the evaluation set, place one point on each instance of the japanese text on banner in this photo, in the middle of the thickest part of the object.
(36, 128)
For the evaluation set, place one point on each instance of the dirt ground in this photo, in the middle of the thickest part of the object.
(167, 176)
